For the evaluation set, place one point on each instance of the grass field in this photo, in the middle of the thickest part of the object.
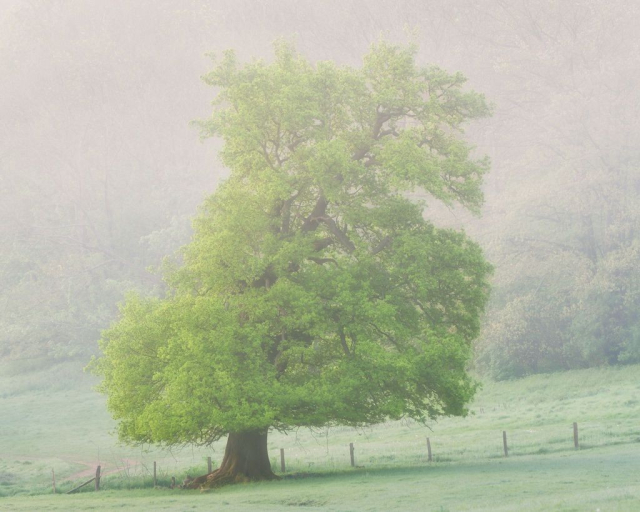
(51, 419)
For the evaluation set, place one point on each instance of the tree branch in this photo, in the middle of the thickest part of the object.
(322, 261)
(381, 118)
(384, 243)
(389, 131)
(388, 336)
(285, 211)
(312, 221)
(322, 243)
(343, 342)
(344, 240)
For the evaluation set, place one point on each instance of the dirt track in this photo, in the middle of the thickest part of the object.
(107, 467)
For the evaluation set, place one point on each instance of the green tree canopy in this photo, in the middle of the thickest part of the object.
(314, 292)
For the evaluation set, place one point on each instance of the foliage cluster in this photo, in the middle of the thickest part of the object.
(314, 291)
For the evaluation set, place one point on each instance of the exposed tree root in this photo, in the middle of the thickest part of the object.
(220, 478)
(246, 459)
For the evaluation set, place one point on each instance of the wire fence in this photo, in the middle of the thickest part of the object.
(372, 452)
(376, 447)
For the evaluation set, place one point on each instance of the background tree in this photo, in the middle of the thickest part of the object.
(313, 292)
(568, 215)
(99, 174)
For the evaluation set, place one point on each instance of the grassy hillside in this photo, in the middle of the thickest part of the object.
(53, 420)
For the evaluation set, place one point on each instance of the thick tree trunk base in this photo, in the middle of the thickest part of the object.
(246, 459)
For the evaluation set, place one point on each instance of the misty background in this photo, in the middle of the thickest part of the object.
(101, 171)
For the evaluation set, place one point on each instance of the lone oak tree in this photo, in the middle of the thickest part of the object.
(313, 292)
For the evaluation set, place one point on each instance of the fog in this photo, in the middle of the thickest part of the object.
(102, 167)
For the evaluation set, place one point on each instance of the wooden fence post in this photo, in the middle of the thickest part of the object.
(155, 479)
(429, 450)
(353, 459)
(173, 482)
(209, 466)
(53, 476)
(282, 465)
(504, 443)
(576, 444)
(98, 478)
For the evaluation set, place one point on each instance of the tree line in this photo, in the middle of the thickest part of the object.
(100, 171)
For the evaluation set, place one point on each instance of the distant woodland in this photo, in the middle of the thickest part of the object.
(101, 169)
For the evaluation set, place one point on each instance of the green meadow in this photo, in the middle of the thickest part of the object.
(51, 419)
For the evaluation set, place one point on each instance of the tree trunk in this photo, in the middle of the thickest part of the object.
(246, 459)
